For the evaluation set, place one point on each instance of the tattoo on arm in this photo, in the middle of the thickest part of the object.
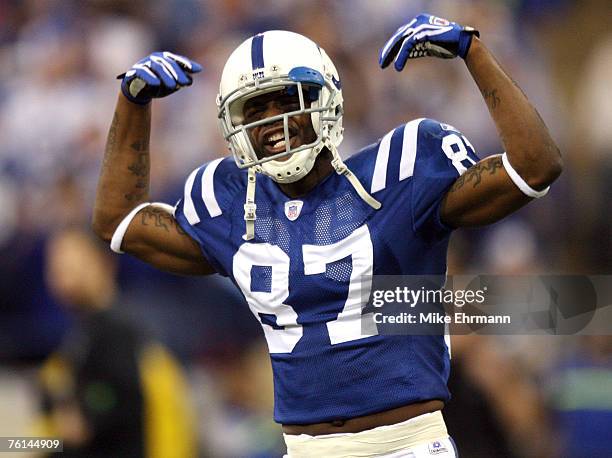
(474, 174)
(140, 169)
(157, 217)
(491, 98)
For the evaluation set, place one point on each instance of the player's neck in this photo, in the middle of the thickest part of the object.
(321, 170)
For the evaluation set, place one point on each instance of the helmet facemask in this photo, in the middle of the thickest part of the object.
(269, 62)
(317, 97)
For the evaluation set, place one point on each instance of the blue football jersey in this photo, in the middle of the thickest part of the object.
(302, 273)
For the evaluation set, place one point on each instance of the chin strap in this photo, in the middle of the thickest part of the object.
(249, 206)
(341, 169)
(339, 166)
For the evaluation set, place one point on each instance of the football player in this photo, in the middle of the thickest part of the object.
(300, 231)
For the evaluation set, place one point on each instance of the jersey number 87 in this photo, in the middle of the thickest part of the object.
(284, 337)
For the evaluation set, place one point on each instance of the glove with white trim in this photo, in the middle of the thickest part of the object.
(426, 35)
(157, 75)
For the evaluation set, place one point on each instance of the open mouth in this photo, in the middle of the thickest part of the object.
(274, 141)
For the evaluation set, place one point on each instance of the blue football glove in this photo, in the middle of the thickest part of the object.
(426, 35)
(157, 75)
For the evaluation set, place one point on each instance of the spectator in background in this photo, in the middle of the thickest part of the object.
(593, 136)
(51, 128)
(109, 390)
(581, 399)
(496, 410)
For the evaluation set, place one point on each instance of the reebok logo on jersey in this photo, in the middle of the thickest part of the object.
(436, 447)
(293, 209)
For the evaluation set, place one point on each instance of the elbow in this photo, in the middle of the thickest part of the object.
(554, 165)
(547, 170)
(101, 229)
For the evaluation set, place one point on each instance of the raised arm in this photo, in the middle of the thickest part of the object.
(485, 193)
(497, 185)
(152, 234)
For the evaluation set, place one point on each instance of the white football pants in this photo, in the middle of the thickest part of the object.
(423, 436)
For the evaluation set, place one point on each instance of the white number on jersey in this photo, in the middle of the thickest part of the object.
(264, 254)
(346, 327)
(358, 245)
(457, 157)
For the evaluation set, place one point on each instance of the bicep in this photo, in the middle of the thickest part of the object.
(483, 195)
(155, 237)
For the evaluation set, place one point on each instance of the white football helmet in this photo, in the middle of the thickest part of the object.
(269, 62)
(273, 61)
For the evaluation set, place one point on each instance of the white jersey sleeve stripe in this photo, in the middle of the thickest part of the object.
(208, 188)
(409, 149)
(379, 180)
(188, 206)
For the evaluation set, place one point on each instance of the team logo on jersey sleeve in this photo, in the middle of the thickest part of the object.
(293, 209)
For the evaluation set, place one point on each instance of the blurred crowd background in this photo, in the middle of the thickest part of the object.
(520, 396)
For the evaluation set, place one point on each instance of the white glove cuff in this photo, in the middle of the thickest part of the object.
(520, 183)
